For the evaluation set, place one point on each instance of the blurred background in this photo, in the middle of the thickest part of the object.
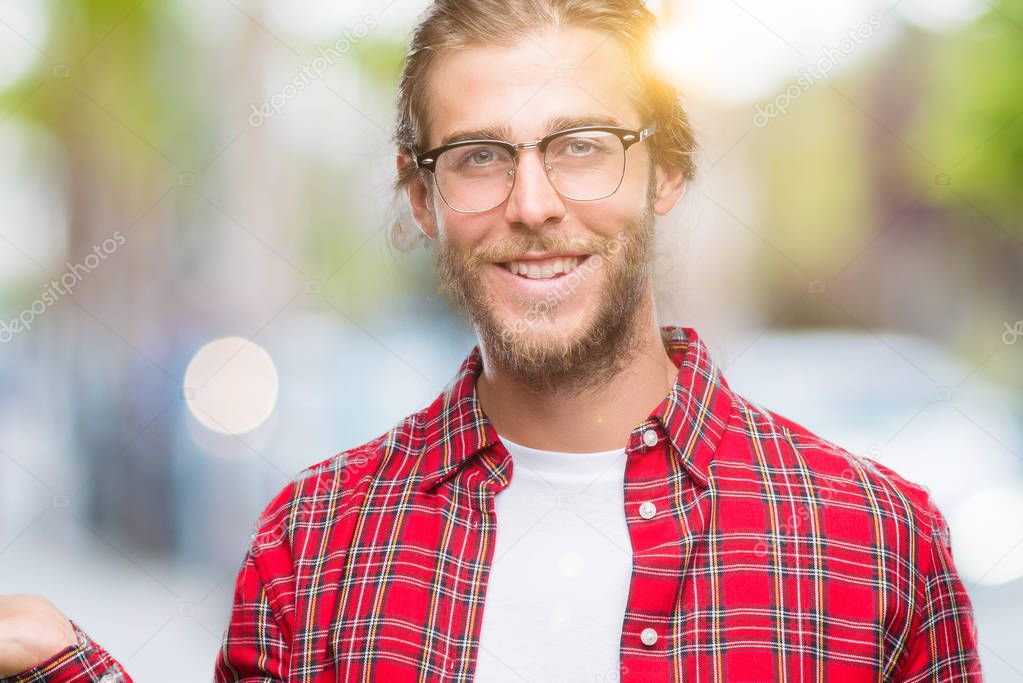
(198, 297)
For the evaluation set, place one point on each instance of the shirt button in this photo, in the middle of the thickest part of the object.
(647, 510)
(650, 437)
(648, 636)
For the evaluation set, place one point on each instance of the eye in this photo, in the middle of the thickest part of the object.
(479, 157)
(581, 146)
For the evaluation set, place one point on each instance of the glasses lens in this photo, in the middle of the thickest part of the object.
(475, 178)
(586, 165)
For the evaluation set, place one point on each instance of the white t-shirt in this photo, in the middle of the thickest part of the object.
(559, 580)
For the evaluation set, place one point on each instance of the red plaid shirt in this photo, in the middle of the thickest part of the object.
(771, 555)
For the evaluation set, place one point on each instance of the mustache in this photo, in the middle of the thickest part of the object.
(512, 249)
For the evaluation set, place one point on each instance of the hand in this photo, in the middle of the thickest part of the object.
(32, 630)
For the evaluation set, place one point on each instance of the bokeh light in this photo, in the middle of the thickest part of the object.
(986, 532)
(231, 385)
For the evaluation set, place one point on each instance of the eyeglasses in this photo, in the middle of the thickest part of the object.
(583, 164)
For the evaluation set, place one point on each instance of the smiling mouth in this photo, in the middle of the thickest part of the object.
(544, 269)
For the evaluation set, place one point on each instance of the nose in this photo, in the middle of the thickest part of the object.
(533, 201)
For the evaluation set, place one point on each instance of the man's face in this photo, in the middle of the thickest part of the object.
(569, 328)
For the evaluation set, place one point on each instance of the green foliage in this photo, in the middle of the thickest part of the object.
(381, 59)
(972, 114)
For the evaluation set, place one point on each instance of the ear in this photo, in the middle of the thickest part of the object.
(419, 196)
(671, 185)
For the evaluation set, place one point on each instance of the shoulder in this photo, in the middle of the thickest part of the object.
(790, 461)
(320, 493)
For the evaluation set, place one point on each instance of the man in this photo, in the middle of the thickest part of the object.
(588, 499)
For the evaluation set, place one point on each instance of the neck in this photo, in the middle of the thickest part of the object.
(597, 419)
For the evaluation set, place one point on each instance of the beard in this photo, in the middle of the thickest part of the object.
(547, 362)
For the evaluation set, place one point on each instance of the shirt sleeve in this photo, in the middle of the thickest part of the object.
(254, 648)
(943, 639)
(86, 662)
(256, 645)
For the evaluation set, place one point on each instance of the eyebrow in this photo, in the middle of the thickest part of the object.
(553, 124)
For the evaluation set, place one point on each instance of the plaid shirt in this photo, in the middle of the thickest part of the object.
(760, 552)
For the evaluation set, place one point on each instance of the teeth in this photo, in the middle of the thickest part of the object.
(542, 272)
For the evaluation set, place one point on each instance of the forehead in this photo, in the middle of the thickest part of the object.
(560, 73)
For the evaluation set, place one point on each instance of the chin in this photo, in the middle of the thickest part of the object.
(530, 329)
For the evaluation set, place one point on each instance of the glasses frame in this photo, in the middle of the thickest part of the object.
(628, 136)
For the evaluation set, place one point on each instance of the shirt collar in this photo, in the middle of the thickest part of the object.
(693, 415)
